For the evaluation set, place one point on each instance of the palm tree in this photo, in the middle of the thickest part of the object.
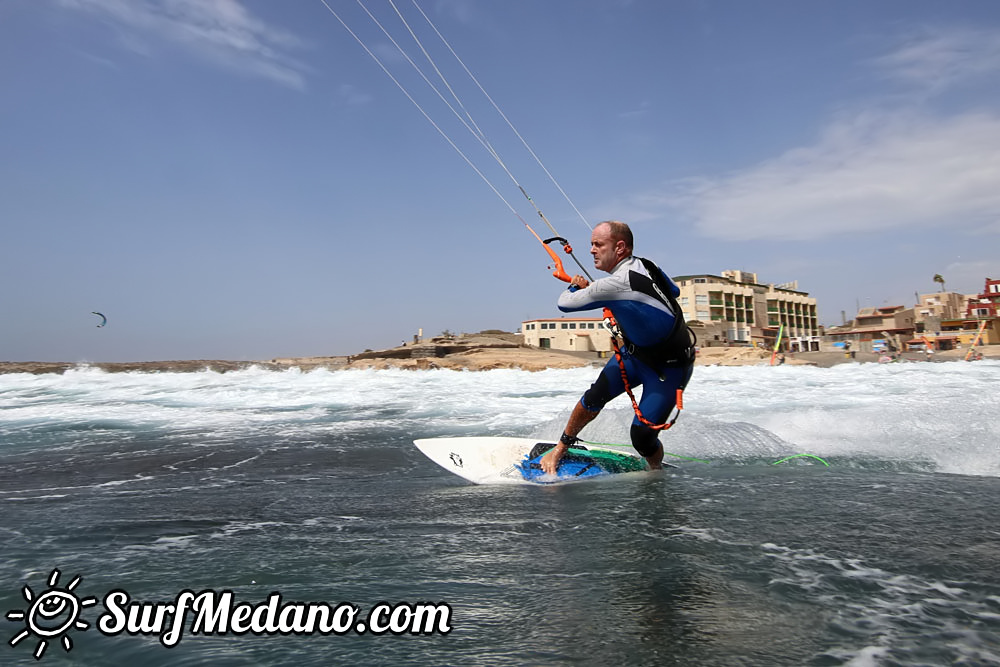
(939, 279)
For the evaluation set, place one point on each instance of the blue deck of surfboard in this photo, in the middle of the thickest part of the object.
(515, 460)
(577, 463)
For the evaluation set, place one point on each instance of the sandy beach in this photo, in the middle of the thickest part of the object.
(476, 353)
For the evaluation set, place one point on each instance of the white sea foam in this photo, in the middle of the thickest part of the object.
(934, 412)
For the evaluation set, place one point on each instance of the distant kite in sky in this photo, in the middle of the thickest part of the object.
(104, 320)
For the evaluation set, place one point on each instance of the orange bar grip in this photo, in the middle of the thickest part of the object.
(559, 273)
(680, 399)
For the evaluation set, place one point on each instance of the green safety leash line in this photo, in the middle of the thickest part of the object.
(795, 456)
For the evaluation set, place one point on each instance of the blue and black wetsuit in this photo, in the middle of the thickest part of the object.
(658, 354)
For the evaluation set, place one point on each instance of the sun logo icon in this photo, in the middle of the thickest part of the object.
(51, 615)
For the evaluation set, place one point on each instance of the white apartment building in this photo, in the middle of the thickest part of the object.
(576, 334)
(745, 311)
(732, 308)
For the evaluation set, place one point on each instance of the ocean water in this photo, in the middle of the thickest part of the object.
(307, 485)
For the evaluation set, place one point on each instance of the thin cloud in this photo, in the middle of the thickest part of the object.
(870, 174)
(644, 109)
(936, 60)
(222, 31)
(876, 171)
(352, 96)
(461, 11)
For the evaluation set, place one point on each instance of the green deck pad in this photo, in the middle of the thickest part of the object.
(613, 462)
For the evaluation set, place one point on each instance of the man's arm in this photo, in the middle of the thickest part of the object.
(598, 294)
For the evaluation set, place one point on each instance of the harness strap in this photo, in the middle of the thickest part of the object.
(609, 318)
(675, 350)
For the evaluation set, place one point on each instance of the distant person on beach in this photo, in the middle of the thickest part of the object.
(658, 350)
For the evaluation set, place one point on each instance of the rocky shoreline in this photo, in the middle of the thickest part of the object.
(478, 352)
(469, 352)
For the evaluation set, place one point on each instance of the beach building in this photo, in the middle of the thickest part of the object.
(946, 310)
(987, 303)
(958, 333)
(573, 334)
(940, 306)
(938, 322)
(728, 309)
(876, 328)
(976, 323)
(748, 312)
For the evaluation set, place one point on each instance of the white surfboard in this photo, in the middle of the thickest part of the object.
(493, 460)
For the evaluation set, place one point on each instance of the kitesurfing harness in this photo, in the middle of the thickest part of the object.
(677, 349)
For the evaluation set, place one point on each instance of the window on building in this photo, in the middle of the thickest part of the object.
(701, 299)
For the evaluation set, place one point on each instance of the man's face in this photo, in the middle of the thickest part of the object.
(606, 251)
